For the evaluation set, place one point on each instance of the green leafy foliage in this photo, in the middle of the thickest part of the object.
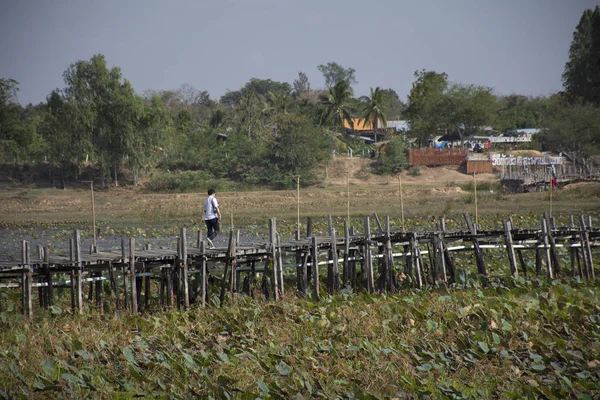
(392, 159)
(510, 339)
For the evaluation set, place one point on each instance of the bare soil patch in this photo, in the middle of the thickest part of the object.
(359, 171)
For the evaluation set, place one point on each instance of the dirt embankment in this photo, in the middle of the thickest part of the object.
(359, 173)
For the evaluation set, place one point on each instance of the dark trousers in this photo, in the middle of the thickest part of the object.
(212, 227)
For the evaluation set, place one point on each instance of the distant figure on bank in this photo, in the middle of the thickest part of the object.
(212, 215)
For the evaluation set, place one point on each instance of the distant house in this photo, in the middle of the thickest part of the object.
(528, 131)
(398, 126)
(365, 130)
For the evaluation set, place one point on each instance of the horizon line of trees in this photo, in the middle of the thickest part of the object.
(275, 130)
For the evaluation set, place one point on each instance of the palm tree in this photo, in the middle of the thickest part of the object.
(336, 105)
(277, 103)
(374, 107)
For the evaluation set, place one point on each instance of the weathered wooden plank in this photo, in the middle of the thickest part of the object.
(204, 277)
(184, 266)
(79, 275)
(508, 242)
(478, 254)
(586, 249)
(546, 249)
(346, 266)
(368, 266)
(315, 268)
(134, 298)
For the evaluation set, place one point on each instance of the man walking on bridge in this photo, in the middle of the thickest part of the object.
(212, 216)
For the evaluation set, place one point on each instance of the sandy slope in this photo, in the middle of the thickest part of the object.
(359, 171)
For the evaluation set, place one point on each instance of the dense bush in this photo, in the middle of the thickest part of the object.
(392, 159)
(188, 181)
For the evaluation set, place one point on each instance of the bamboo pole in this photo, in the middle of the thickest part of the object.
(348, 196)
(401, 202)
(93, 216)
(475, 194)
(297, 178)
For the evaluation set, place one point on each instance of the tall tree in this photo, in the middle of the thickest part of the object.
(19, 139)
(301, 84)
(471, 107)
(393, 105)
(69, 140)
(108, 108)
(259, 87)
(336, 105)
(581, 78)
(373, 109)
(277, 103)
(426, 111)
(333, 73)
(248, 112)
(571, 127)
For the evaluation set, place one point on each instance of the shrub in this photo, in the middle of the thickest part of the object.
(415, 171)
(188, 181)
(392, 159)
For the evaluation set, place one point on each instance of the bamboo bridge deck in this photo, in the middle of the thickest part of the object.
(181, 275)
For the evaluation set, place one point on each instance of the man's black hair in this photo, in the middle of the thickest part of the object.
(211, 191)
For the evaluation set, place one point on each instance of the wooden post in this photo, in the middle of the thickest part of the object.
(348, 196)
(335, 275)
(586, 250)
(184, 266)
(79, 277)
(203, 272)
(546, 249)
(508, 241)
(297, 178)
(42, 291)
(315, 268)
(308, 227)
(299, 271)
(475, 197)
(113, 284)
(231, 251)
(440, 251)
(368, 261)
(448, 263)
(552, 242)
(304, 276)
(199, 238)
(378, 222)
(124, 274)
(134, 303)
(280, 263)
(415, 254)
(273, 257)
(390, 283)
(478, 255)
(346, 265)
(95, 244)
(27, 303)
(401, 202)
(50, 289)
(522, 261)
(226, 270)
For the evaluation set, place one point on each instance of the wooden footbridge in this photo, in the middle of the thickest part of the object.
(374, 261)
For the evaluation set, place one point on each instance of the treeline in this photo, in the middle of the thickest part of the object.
(267, 132)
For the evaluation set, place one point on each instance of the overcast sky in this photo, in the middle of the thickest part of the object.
(514, 46)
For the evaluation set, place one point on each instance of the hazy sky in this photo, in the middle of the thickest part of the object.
(514, 46)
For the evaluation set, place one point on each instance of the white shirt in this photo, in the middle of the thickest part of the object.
(210, 207)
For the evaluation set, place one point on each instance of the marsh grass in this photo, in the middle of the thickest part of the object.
(513, 338)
